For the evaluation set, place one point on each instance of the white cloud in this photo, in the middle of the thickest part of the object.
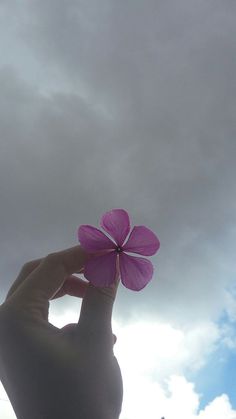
(148, 399)
(219, 408)
(159, 349)
(154, 358)
(6, 410)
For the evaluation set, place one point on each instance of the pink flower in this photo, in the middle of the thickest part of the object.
(110, 255)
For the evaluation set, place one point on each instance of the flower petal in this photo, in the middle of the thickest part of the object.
(142, 241)
(116, 223)
(135, 272)
(94, 240)
(101, 270)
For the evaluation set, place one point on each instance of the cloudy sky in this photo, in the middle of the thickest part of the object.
(130, 105)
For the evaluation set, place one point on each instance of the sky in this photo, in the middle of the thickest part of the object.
(130, 105)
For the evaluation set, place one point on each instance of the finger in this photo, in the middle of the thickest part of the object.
(25, 271)
(29, 267)
(96, 311)
(73, 286)
(47, 278)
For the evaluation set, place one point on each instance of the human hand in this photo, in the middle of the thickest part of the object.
(68, 373)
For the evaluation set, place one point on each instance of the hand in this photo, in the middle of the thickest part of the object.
(52, 373)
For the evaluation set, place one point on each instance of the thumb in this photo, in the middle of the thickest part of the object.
(96, 309)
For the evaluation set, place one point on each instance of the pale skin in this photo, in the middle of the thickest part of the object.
(52, 373)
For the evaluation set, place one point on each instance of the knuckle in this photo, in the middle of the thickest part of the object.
(53, 259)
(26, 267)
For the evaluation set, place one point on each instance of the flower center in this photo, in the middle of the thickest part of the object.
(119, 249)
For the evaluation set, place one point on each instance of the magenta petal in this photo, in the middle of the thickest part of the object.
(135, 272)
(94, 240)
(116, 223)
(142, 241)
(101, 270)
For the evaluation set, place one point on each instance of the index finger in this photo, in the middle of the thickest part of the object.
(48, 277)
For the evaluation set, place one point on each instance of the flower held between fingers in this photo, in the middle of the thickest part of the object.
(110, 254)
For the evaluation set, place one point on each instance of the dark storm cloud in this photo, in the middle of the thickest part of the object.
(152, 130)
(52, 159)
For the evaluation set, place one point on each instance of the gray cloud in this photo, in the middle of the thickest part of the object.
(144, 120)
